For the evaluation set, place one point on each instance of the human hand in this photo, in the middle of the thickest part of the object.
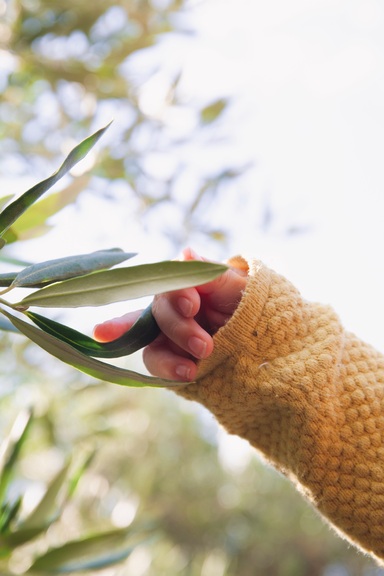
(187, 318)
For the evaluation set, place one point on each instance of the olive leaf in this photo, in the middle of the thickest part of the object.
(7, 278)
(122, 284)
(10, 449)
(95, 368)
(33, 222)
(47, 509)
(14, 210)
(90, 553)
(142, 333)
(68, 267)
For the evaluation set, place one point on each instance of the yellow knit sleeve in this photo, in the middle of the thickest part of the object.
(309, 396)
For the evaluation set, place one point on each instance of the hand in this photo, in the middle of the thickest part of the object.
(187, 319)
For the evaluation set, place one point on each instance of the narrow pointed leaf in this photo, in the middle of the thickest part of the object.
(78, 474)
(69, 267)
(8, 514)
(7, 278)
(10, 449)
(90, 366)
(14, 261)
(5, 199)
(11, 540)
(7, 326)
(32, 223)
(142, 333)
(122, 284)
(91, 553)
(13, 235)
(12, 212)
(47, 509)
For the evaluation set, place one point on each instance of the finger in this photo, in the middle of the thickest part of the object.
(185, 332)
(163, 362)
(114, 328)
(186, 301)
(224, 292)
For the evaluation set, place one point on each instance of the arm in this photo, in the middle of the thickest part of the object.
(309, 396)
(283, 374)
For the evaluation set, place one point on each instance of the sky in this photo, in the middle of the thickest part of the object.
(307, 80)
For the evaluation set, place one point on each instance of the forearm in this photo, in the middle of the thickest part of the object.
(285, 376)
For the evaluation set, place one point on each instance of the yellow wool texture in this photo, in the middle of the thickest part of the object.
(309, 396)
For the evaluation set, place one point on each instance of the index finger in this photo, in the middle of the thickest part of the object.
(224, 292)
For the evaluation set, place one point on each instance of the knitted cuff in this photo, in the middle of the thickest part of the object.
(241, 328)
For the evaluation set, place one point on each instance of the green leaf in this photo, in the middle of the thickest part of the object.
(122, 284)
(8, 514)
(5, 199)
(7, 278)
(90, 366)
(47, 509)
(91, 553)
(14, 210)
(78, 474)
(14, 261)
(142, 333)
(33, 222)
(211, 112)
(10, 449)
(7, 326)
(69, 267)
(10, 540)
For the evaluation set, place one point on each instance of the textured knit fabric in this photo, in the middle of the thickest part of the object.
(309, 396)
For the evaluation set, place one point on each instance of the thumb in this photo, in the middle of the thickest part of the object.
(114, 328)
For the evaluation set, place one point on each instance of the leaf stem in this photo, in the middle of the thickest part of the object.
(7, 289)
(16, 307)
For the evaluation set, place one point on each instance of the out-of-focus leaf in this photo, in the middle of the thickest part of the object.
(12, 235)
(69, 267)
(47, 509)
(7, 326)
(11, 540)
(92, 553)
(10, 449)
(78, 474)
(211, 112)
(33, 222)
(142, 333)
(7, 278)
(122, 284)
(90, 366)
(5, 199)
(14, 210)
(7, 259)
(8, 513)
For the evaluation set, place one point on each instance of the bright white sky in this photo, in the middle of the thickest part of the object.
(309, 78)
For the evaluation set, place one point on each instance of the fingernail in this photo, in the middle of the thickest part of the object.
(185, 306)
(197, 346)
(183, 372)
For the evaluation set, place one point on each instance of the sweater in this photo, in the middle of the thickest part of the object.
(308, 395)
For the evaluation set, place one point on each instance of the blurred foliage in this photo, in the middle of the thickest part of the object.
(160, 464)
(68, 65)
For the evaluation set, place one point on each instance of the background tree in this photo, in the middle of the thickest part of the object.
(159, 464)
